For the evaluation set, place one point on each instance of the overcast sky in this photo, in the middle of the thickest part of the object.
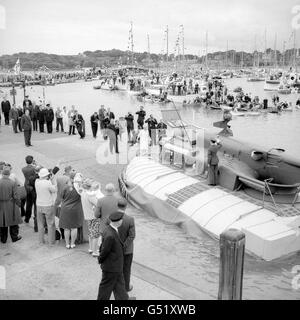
(73, 26)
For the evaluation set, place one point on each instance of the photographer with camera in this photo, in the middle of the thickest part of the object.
(46, 188)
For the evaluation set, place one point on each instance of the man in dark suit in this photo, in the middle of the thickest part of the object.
(127, 235)
(5, 106)
(20, 112)
(27, 128)
(49, 117)
(212, 161)
(34, 116)
(94, 124)
(41, 118)
(111, 259)
(29, 173)
(141, 117)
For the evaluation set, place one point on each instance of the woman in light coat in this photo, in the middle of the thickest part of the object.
(90, 194)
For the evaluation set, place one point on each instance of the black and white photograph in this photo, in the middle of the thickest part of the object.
(149, 150)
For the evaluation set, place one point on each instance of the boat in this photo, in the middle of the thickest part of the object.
(238, 89)
(283, 89)
(179, 197)
(244, 113)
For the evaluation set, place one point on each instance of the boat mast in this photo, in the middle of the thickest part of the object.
(254, 53)
(283, 53)
(131, 42)
(275, 51)
(226, 65)
(148, 40)
(294, 62)
(206, 43)
(167, 34)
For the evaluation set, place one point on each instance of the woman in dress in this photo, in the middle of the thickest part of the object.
(144, 140)
(71, 213)
(89, 192)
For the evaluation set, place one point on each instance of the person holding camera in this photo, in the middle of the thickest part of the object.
(46, 188)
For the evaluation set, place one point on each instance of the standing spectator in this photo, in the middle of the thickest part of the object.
(145, 141)
(20, 112)
(41, 118)
(130, 125)
(152, 123)
(59, 120)
(27, 128)
(62, 182)
(71, 115)
(80, 124)
(89, 202)
(34, 116)
(112, 133)
(14, 116)
(5, 107)
(45, 189)
(141, 117)
(26, 103)
(49, 117)
(111, 115)
(106, 205)
(119, 129)
(101, 114)
(94, 124)
(65, 119)
(212, 161)
(9, 208)
(127, 235)
(71, 214)
(29, 173)
(111, 259)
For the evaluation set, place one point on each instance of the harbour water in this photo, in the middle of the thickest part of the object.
(196, 261)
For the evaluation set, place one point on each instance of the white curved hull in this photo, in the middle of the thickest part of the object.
(214, 210)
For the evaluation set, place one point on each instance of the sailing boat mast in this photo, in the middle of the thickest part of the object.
(294, 62)
(131, 42)
(283, 53)
(148, 40)
(275, 51)
(226, 67)
(206, 43)
(167, 34)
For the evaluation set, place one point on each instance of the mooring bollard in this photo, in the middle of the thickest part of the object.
(232, 250)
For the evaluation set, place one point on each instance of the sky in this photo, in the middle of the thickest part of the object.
(74, 26)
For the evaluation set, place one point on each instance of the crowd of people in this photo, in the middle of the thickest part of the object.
(60, 206)
(36, 117)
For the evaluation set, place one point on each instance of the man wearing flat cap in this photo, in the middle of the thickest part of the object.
(111, 259)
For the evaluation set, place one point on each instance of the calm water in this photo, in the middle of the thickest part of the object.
(262, 280)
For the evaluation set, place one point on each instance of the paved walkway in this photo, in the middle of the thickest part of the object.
(42, 272)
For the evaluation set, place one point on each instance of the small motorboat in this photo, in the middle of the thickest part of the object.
(238, 89)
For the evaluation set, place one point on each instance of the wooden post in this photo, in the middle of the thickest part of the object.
(232, 250)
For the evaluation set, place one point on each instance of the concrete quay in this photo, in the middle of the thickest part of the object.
(40, 272)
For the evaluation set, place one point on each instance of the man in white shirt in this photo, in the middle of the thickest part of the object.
(45, 190)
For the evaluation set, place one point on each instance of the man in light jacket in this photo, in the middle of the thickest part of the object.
(46, 189)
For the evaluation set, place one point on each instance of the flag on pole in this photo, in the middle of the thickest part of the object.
(17, 67)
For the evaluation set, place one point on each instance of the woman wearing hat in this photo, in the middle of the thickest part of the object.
(71, 213)
(212, 161)
(89, 198)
